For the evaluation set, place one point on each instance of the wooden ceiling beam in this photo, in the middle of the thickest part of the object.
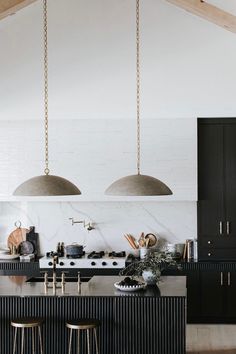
(9, 7)
(208, 12)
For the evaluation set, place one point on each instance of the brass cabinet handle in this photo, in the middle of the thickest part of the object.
(221, 227)
(229, 279)
(228, 227)
(221, 279)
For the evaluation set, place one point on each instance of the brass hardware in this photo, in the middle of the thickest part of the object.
(45, 19)
(46, 279)
(221, 278)
(138, 83)
(79, 283)
(209, 242)
(209, 254)
(83, 325)
(229, 279)
(221, 227)
(27, 323)
(63, 282)
(88, 226)
(228, 228)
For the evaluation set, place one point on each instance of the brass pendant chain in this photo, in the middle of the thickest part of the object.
(45, 28)
(138, 84)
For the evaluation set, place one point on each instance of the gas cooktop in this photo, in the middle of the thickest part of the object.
(88, 260)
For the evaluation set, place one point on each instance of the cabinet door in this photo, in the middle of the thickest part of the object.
(212, 295)
(230, 299)
(210, 179)
(230, 181)
(193, 298)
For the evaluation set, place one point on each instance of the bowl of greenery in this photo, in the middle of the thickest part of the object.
(151, 267)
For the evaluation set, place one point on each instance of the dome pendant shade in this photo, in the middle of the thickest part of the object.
(46, 185)
(138, 185)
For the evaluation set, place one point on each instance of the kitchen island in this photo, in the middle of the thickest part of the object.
(151, 321)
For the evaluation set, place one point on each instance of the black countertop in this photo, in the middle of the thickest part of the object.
(98, 286)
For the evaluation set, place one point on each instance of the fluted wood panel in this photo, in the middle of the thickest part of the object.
(130, 325)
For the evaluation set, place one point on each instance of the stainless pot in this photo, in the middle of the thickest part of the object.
(74, 250)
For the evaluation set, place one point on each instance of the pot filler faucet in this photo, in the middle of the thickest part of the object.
(88, 226)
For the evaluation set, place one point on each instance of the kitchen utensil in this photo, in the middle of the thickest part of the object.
(26, 247)
(131, 241)
(141, 240)
(74, 250)
(17, 236)
(132, 238)
(152, 240)
(130, 288)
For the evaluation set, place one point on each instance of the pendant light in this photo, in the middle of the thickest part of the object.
(46, 185)
(138, 185)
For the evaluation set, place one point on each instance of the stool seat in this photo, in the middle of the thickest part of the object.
(26, 322)
(28, 325)
(83, 324)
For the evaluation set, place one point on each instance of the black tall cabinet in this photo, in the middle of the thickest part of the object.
(217, 188)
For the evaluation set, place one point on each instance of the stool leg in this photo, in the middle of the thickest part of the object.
(14, 345)
(40, 340)
(33, 343)
(78, 341)
(22, 340)
(88, 341)
(96, 340)
(70, 341)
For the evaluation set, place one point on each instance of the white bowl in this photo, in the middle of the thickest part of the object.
(130, 287)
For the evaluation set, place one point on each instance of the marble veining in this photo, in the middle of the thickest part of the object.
(174, 222)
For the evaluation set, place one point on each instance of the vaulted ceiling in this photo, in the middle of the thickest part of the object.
(187, 63)
(211, 10)
(9, 7)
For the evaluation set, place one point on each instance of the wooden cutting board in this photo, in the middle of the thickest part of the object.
(16, 237)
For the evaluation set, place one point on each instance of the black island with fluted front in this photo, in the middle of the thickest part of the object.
(151, 321)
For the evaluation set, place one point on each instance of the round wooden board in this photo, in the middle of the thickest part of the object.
(152, 239)
(16, 237)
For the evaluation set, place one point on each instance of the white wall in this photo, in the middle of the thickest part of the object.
(188, 64)
(171, 221)
(92, 154)
(188, 70)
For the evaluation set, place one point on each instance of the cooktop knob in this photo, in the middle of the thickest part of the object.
(114, 263)
(61, 263)
(93, 263)
(104, 263)
(50, 263)
(72, 263)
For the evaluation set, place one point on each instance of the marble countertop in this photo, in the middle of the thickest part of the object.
(170, 286)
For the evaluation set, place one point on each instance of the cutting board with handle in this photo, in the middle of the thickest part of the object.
(17, 236)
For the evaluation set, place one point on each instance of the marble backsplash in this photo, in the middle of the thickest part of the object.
(173, 221)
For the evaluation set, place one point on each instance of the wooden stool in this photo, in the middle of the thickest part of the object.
(23, 323)
(83, 325)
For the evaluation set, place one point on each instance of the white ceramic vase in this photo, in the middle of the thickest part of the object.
(151, 278)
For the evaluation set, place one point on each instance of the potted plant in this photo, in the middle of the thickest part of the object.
(151, 266)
